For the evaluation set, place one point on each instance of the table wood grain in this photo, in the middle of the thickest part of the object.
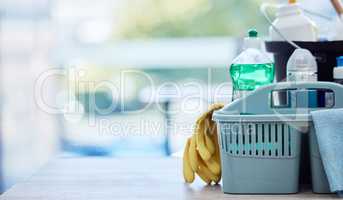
(92, 178)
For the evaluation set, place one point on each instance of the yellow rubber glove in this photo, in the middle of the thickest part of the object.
(201, 155)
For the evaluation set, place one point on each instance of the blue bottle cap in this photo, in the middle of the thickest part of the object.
(340, 61)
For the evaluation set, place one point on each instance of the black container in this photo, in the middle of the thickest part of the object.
(325, 52)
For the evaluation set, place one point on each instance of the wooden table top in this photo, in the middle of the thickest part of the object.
(92, 178)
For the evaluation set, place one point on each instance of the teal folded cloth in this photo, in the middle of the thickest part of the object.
(329, 130)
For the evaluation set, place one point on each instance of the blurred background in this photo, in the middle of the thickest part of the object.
(113, 77)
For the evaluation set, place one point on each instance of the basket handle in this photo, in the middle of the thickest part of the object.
(336, 88)
(259, 101)
(335, 91)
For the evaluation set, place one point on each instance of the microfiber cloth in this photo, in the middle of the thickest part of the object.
(329, 130)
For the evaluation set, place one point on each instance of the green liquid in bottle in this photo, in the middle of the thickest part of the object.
(248, 77)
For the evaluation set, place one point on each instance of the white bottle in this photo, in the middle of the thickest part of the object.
(293, 24)
(302, 66)
(338, 71)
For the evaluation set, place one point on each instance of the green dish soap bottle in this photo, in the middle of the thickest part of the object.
(252, 68)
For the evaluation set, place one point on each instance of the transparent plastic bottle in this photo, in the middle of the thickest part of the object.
(302, 66)
(251, 68)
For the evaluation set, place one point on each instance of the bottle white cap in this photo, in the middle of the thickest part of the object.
(252, 41)
(338, 73)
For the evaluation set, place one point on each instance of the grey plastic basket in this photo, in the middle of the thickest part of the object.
(260, 141)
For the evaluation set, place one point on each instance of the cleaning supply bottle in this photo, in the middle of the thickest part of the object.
(302, 66)
(251, 68)
(338, 71)
(293, 24)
